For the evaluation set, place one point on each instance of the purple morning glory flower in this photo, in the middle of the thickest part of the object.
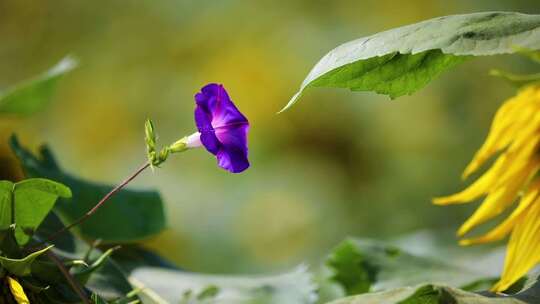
(222, 128)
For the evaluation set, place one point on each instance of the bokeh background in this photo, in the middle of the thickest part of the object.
(337, 164)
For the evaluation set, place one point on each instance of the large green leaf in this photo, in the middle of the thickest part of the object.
(360, 265)
(174, 286)
(402, 60)
(33, 199)
(128, 216)
(33, 95)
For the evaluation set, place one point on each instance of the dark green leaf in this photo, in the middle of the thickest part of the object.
(60, 294)
(531, 294)
(8, 244)
(130, 257)
(109, 280)
(33, 284)
(65, 241)
(21, 267)
(128, 216)
(34, 94)
(403, 60)
(46, 271)
(352, 269)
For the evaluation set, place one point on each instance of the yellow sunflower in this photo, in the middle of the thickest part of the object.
(512, 181)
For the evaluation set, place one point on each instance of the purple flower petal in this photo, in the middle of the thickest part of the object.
(223, 128)
(208, 136)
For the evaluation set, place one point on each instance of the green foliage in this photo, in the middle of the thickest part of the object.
(99, 272)
(531, 294)
(391, 274)
(351, 269)
(91, 267)
(403, 60)
(177, 286)
(360, 265)
(6, 197)
(27, 203)
(22, 267)
(33, 95)
(394, 74)
(207, 295)
(96, 299)
(431, 294)
(82, 273)
(128, 216)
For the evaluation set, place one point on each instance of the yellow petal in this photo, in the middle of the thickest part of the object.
(505, 227)
(523, 251)
(517, 161)
(509, 121)
(480, 187)
(17, 291)
(498, 138)
(496, 202)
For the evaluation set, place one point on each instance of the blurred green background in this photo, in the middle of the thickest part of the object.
(337, 164)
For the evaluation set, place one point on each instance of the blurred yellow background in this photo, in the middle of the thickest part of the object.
(336, 164)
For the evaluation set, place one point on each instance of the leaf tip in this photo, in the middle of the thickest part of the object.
(65, 65)
(291, 102)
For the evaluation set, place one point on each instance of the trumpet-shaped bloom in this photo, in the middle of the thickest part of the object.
(222, 128)
(512, 181)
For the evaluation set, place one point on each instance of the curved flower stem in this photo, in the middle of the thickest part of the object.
(99, 204)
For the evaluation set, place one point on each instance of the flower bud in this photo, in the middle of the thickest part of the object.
(150, 135)
(179, 145)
